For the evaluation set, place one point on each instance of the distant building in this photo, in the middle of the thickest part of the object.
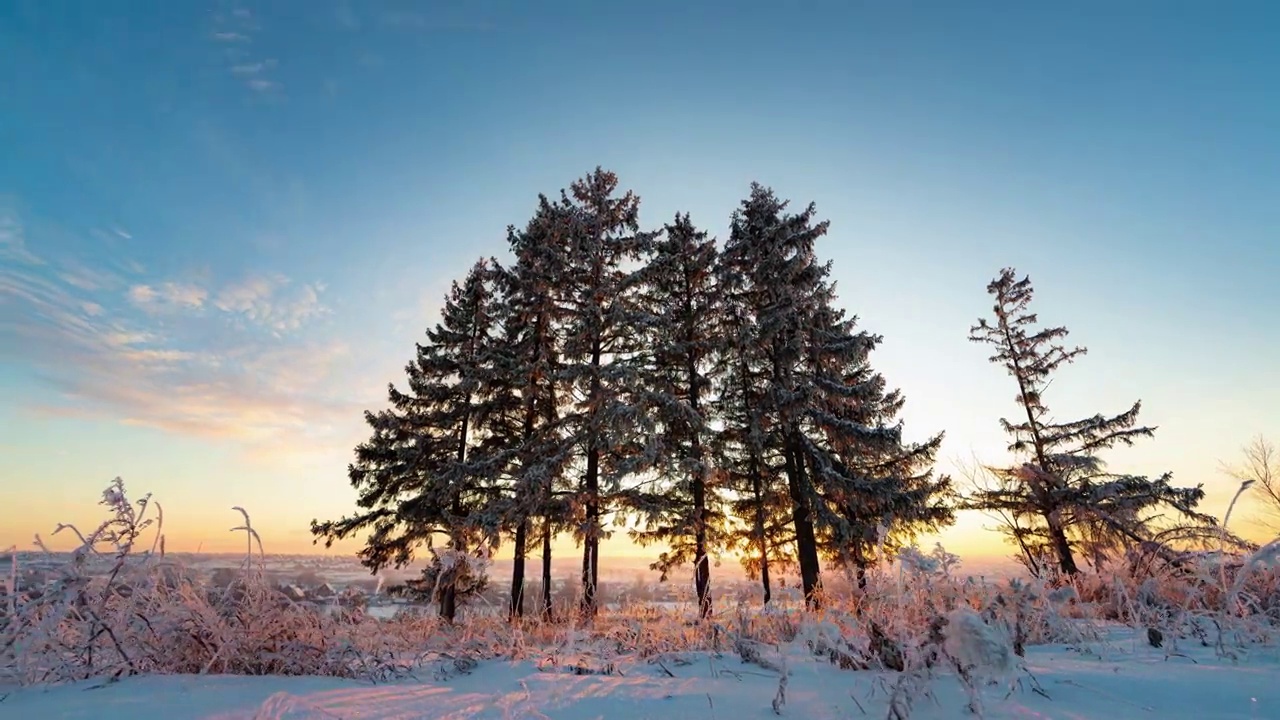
(323, 592)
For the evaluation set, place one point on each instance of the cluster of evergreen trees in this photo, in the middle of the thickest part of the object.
(717, 396)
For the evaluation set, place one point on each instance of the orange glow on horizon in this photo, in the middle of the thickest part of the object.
(968, 538)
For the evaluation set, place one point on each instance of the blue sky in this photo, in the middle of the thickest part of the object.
(223, 225)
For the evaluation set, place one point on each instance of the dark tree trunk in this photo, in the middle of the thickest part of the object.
(1057, 533)
(521, 539)
(548, 611)
(762, 536)
(702, 565)
(801, 517)
(517, 570)
(449, 599)
(550, 413)
(860, 564)
(591, 543)
(764, 570)
(591, 489)
(449, 604)
(449, 594)
(757, 488)
(1061, 546)
(587, 595)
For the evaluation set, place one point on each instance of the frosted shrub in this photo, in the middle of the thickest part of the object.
(1254, 589)
(466, 574)
(1217, 598)
(917, 563)
(117, 608)
(937, 563)
(982, 650)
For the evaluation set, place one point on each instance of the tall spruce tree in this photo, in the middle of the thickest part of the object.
(526, 368)
(414, 476)
(1063, 491)
(826, 411)
(878, 490)
(682, 507)
(599, 363)
(771, 267)
(747, 454)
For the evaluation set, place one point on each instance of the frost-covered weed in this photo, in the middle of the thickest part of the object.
(983, 650)
(119, 607)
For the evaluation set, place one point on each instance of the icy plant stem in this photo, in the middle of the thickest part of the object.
(1227, 594)
(1222, 538)
(13, 581)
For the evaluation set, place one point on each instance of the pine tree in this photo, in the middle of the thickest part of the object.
(414, 476)
(770, 256)
(526, 371)
(598, 297)
(747, 454)
(682, 507)
(822, 407)
(879, 491)
(1062, 490)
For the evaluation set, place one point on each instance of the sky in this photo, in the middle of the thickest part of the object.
(224, 225)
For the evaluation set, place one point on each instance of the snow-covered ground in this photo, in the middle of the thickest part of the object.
(1122, 677)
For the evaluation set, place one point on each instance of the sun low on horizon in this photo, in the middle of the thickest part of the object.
(224, 225)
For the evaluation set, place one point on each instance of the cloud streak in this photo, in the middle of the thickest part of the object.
(235, 35)
(234, 362)
(168, 295)
(249, 68)
(273, 302)
(13, 246)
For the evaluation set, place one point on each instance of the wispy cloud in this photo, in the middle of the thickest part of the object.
(13, 245)
(162, 354)
(272, 301)
(85, 278)
(252, 68)
(235, 33)
(269, 301)
(168, 295)
(262, 86)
